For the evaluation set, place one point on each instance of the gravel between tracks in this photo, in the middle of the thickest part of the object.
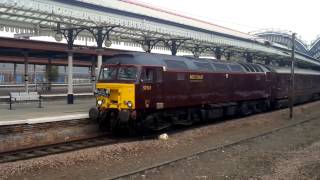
(106, 161)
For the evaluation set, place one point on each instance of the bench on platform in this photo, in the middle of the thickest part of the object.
(24, 97)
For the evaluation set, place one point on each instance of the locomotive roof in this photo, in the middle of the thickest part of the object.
(184, 63)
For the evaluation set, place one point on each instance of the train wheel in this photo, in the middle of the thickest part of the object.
(132, 128)
(114, 126)
(94, 114)
(114, 123)
(245, 109)
(265, 106)
(103, 121)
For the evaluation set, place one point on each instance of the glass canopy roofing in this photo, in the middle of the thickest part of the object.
(40, 17)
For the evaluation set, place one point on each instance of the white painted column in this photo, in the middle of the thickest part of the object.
(15, 73)
(93, 74)
(70, 77)
(99, 64)
(50, 73)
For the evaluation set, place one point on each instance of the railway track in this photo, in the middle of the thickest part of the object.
(56, 149)
(107, 140)
(40, 151)
(170, 162)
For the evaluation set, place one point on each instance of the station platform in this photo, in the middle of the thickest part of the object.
(52, 111)
(50, 97)
(55, 89)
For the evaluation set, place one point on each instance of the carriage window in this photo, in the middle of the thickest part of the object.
(148, 75)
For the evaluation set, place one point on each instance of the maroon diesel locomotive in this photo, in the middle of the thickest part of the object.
(139, 90)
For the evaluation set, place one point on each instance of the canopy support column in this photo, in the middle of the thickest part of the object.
(26, 63)
(93, 73)
(15, 73)
(70, 78)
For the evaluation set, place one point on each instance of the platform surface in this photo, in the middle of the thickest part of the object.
(59, 110)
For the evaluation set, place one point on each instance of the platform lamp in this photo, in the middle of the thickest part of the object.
(108, 43)
(145, 47)
(58, 36)
(70, 34)
(196, 53)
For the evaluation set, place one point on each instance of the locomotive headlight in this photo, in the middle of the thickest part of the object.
(129, 103)
(99, 102)
(107, 92)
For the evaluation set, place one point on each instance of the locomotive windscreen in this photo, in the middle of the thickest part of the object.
(118, 73)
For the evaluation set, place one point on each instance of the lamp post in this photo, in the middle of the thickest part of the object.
(174, 44)
(292, 84)
(147, 44)
(70, 34)
(100, 34)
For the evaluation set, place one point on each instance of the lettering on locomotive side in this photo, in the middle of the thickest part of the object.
(196, 77)
(146, 88)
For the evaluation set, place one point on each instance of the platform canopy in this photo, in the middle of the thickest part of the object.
(137, 22)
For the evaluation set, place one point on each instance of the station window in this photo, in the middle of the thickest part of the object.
(1, 79)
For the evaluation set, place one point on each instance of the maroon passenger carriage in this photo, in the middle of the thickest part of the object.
(181, 90)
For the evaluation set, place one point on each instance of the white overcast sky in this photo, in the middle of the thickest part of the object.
(300, 16)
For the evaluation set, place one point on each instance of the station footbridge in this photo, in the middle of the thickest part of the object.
(113, 21)
(284, 38)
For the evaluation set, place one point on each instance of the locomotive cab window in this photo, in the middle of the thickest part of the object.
(108, 73)
(148, 75)
(127, 73)
(118, 73)
(159, 75)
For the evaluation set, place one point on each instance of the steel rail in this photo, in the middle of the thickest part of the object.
(55, 149)
(166, 163)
